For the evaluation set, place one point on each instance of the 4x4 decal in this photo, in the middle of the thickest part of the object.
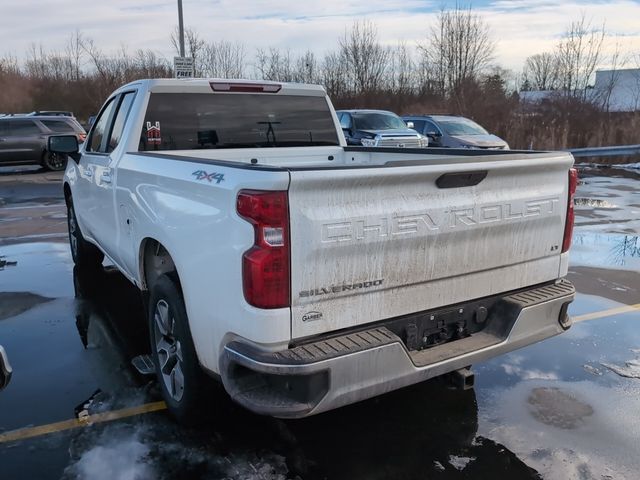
(203, 175)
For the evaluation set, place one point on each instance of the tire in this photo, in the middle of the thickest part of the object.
(179, 374)
(54, 161)
(85, 255)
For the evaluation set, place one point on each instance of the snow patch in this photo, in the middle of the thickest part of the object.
(630, 369)
(124, 459)
(460, 463)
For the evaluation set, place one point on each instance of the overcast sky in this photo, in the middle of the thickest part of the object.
(519, 27)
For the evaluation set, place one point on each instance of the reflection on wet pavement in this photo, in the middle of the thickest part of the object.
(14, 303)
(605, 250)
(608, 203)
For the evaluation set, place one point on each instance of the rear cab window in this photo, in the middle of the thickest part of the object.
(185, 121)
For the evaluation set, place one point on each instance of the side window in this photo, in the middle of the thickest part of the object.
(101, 127)
(418, 125)
(345, 120)
(121, 117)
(24, 128)
(58, 126)
(431, 127)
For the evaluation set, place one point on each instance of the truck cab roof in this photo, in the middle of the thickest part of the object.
(217, 85)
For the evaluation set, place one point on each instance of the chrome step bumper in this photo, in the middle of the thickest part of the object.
(333, 372)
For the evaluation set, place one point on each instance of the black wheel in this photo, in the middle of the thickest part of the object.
(54, 161)
(179, 375)
(84, 254)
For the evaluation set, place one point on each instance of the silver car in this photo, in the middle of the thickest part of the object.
(454, 132)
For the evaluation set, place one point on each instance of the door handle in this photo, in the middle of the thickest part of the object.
(105, 177)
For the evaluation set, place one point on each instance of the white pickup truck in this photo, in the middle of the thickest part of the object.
(303, 273)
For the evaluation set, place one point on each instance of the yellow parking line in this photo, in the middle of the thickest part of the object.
(607, 313)
(30, 432)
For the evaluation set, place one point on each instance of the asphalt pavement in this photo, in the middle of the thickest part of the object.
(562, 409)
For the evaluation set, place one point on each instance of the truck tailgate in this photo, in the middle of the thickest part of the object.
(374, 243)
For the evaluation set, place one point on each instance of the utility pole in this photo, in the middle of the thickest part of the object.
(180, 28)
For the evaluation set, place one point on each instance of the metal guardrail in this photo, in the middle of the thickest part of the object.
(622, 150)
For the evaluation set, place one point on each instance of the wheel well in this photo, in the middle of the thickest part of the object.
(67, 193)
(155, 261)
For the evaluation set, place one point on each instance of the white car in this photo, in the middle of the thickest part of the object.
(303, 273)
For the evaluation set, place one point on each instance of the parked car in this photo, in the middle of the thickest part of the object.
(378, 128)
(303, 273)
(51, 113)
(23, 140)
(454, 132)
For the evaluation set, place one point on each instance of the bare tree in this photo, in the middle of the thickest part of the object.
(74, 52)
(306, 68)
(541, 71)
(334, 74)
(401, 72)
(458, 48)
(578, 54)
(367, 60)
(224, 59)
(194, 48)
(274, 64)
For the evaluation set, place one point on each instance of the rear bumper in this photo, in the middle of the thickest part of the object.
(330, 373)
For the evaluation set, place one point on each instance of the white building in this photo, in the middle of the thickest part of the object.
(620, 89)
(613, 90)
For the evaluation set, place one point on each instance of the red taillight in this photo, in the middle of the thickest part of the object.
(245, 87)
(265, 266)
(568, 227)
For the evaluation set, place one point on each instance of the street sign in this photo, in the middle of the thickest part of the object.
(183, 67)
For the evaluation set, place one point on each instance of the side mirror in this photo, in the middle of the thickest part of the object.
(64, 144)
(5, 369)
(410, 125)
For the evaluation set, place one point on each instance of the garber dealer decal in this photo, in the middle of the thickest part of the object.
(309, 316)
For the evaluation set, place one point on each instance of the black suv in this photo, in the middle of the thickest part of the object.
(23, 139)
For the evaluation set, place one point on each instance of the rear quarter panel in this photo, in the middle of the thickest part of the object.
(194, 217)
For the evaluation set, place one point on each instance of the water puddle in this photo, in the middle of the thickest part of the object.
(605, 250)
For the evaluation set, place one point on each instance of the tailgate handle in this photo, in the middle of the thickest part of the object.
(461, 179)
